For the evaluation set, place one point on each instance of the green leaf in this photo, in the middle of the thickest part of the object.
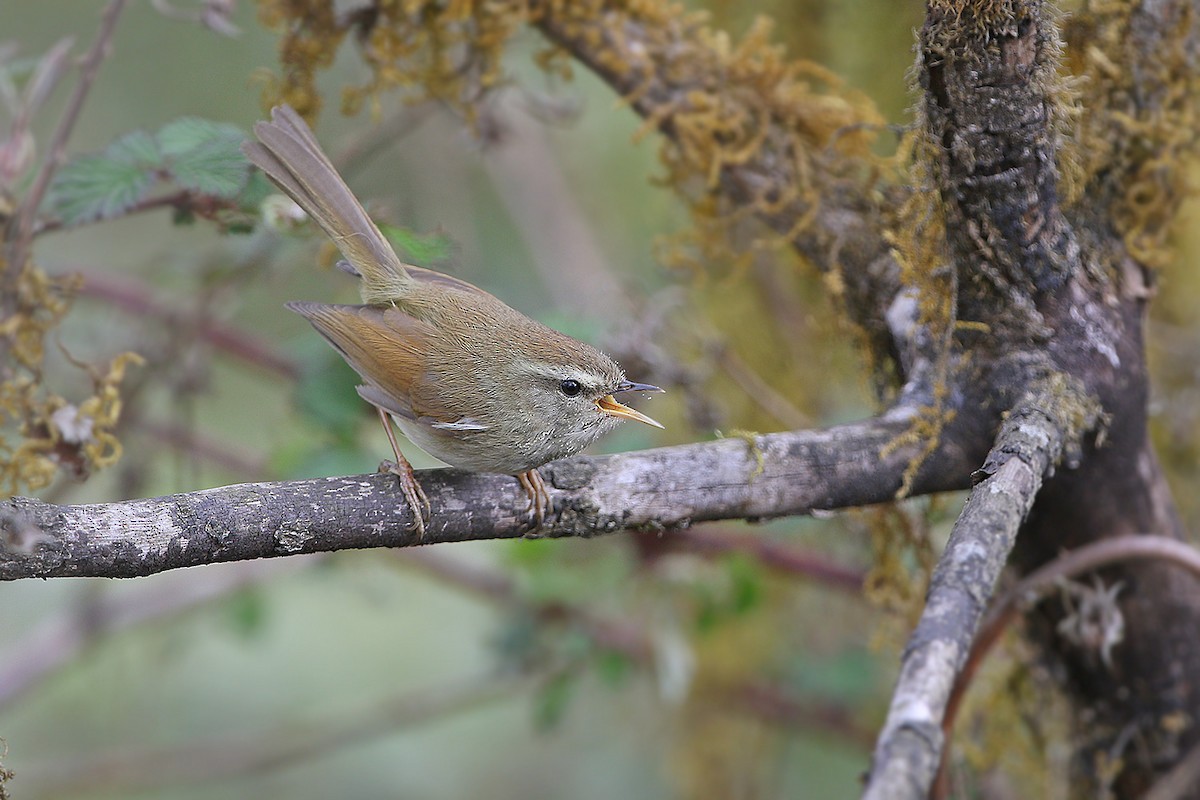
(613, 667)
(205, 156)
(257, 189)
(188, 133)
(746, 579)
(246, 612)
(108, 184)
(422, 249)
(213, 168)
(550, 704)
(135, 147)
(741, 592)
(530, 552)
(708, 610)
(325, 394)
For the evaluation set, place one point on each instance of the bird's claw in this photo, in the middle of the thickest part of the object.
(413, 493)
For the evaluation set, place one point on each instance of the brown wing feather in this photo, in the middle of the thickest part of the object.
(384, 345)
(289, 154)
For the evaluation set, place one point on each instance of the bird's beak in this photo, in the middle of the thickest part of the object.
(630, 386)
(609, 405)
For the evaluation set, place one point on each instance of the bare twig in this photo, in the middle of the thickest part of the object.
(371, 140)
(197, 446)
(771, 705)
(569, 256)
(772, 555)
(909, 748)
(22, 224)
(24, 107)
(137, 298)
(630, 640)
(761, 392)
(182, 201)
(760, 699)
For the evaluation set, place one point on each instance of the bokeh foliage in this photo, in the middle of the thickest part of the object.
(748, 334)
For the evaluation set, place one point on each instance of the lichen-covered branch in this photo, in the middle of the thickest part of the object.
(18, 235)
(781, 139)
(1139, 64)
(1029, 445)
(751, 477)
(988, 71)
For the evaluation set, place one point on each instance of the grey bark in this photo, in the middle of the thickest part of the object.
(909, 749)
(756, 477)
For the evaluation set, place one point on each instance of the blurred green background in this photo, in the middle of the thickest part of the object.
(378, 674)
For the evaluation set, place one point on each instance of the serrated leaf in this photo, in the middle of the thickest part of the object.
(188, 133)
(136, 148)
(421, 249)
(214, 168)
(106, 185)
(96, 187)
(204, 156)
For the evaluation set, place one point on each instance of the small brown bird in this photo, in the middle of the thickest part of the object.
(467, 378)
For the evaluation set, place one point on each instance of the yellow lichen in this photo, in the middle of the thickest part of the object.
(449, 51)
(996, 732)
(753, 104)
(725, 103)
(902, 559)
(918, 240)
(40, 430)
(752, 446)
(1142, 124)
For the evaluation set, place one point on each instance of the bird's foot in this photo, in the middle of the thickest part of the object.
(539, 500)
(413, 493)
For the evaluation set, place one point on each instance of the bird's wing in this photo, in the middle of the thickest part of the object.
(388, 349)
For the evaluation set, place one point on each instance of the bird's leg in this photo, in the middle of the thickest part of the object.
(539, 497)
(413, 492)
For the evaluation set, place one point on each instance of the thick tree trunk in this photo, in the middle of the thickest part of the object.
(1058, 290)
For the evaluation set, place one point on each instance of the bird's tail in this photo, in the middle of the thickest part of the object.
(289, 154)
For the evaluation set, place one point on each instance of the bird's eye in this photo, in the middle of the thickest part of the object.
(570, 387)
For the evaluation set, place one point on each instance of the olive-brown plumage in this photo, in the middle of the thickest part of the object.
(467, 378)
